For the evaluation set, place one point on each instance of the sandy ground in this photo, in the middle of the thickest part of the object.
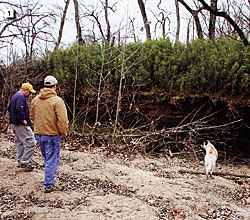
(92, 186)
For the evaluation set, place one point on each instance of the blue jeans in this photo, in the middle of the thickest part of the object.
(50, 148)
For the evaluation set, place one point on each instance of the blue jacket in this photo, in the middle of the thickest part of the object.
(18, 109)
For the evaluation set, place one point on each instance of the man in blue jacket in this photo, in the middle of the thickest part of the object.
(20, 120)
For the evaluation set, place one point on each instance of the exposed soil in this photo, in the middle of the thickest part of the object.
(93, 186)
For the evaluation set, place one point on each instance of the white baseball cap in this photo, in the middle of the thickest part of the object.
(50, 81)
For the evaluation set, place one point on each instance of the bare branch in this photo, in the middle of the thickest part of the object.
(229, 19)
(194, 13)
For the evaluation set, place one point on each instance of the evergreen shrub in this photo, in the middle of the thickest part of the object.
(199, 67)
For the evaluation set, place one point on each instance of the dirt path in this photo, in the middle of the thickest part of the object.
(92, 186)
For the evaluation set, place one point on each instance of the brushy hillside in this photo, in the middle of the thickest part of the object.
(193, 92)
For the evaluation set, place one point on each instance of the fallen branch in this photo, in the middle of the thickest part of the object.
(215, 173)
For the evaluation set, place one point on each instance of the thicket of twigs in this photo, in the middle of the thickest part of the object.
(11, 78)
(154, 136)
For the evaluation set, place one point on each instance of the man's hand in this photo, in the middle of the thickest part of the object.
(62, 136)
(25, 122)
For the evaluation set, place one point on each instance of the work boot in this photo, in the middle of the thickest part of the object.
(50, 189)
(27, 167)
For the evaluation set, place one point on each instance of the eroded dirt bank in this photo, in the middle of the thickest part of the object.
(92, 186)
(225, 121)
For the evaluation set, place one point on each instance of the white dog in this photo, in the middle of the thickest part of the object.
(210, 158)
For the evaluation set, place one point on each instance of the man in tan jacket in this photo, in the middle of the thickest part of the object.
(48, 114)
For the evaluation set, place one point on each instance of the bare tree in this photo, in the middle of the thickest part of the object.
(163, 17)
(163, 24)
(29, 34)
(96, 15)
(31, 27)
(229, 19)
(96, 18)
(212, 20)
(194, 13)
(241, 16)
(62, 24)
(145, 19)
(11, 23)
(178, 20)
(80, 40)
(107, 21)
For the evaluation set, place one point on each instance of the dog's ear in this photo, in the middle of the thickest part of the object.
(206, 142)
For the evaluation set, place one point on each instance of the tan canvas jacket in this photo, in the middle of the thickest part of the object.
(48, 114)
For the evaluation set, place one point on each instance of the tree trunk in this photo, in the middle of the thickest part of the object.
(110, 55)
(80, 40)
(198, 25)
(107, 21)
(178, 20)
(212, 20)
(62, 24)
(145, 19)
(188, 30)
(163, 24)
